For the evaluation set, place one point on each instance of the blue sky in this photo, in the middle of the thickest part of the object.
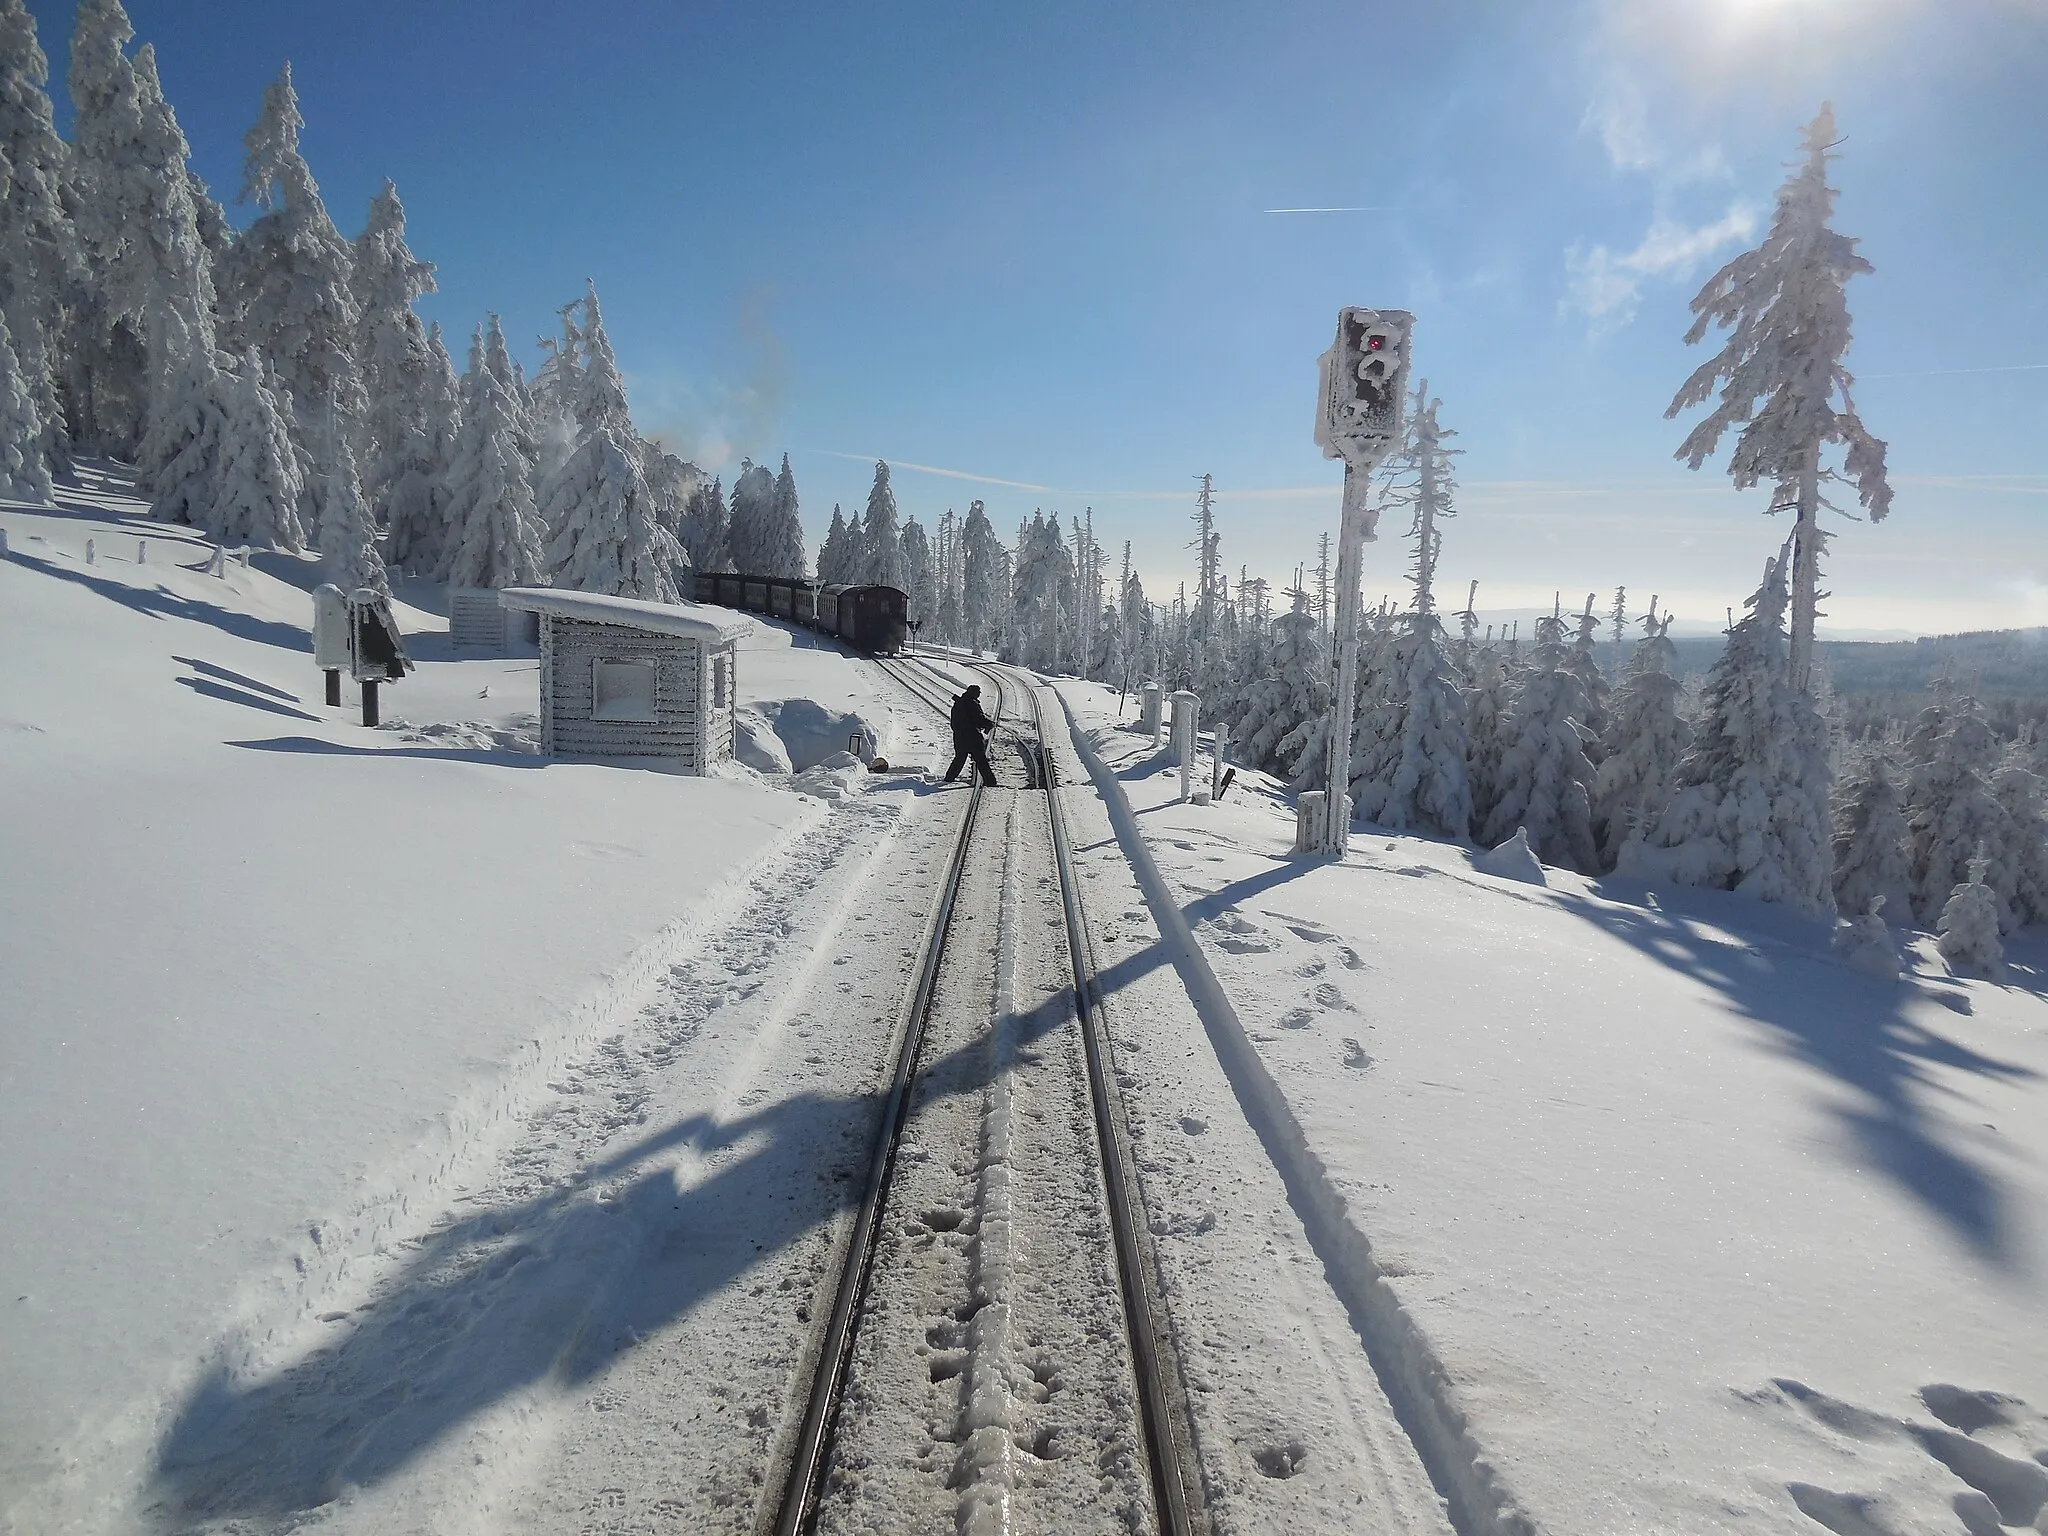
(1029, 245)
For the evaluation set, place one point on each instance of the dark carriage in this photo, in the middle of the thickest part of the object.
(868, 618)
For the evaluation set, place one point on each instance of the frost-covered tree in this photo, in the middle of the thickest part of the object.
(1969, 926)
(24, 476)
(1780, 376)
(604, 530)
(1583, 661)
(287, 287)
(347, 538)
(1646, 736)
(41, 266)
(748, 528)
(259, 491)
(2021, 873)
(834, 558)
(1749, 806)
(984, 580)
(189, 439)
(1042, 597)
(783, 546)
(1951, 813)
(1489, 710)
(672, 482)
(1870, 841)
(920, 576)
(108, 367)
(881, 550)
(493, 527)
(416, 496)
(704, 525)
(1545, 778)
(396, 437)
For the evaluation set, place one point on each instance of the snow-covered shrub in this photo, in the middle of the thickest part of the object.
(1969, 927)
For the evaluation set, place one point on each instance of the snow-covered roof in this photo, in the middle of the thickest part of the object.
(693, 621)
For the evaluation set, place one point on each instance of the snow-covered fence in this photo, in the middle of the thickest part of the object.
(620, 677)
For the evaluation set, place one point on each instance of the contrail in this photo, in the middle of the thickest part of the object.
(1327, 210)
(1939, 373)
(933, 469)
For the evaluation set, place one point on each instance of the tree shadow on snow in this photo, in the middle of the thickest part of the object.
(1854, 1028)
(497, 757)
(161, 604)
(551, 1290)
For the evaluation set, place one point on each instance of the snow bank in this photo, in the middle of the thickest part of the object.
(1706, 1229)
(274, 980)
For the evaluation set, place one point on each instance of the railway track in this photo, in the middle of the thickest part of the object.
(997, 1355)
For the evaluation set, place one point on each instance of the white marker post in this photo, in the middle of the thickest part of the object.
(1364, 376)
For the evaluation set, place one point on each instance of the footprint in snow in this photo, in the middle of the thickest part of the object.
(1327, 996)
(1354, 1055)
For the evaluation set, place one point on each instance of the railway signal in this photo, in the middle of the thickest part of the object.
(1364, 376)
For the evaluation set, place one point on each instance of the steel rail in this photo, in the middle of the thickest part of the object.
(811, 1452)
(1163, 1406)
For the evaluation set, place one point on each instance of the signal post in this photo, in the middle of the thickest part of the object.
(1364, 378)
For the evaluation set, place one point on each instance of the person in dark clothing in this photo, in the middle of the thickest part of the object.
(970, 726)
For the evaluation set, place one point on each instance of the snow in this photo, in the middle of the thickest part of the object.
(1677, 1220)
(693, 621)
(276, 982)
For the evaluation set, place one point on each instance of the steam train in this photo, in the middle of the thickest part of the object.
(873, 619)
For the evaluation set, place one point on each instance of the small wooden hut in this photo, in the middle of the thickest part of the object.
(624, 678)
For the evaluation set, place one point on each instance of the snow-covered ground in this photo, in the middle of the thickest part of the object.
(274, 986)
(1660, 1217)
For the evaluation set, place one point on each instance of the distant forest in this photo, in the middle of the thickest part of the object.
(1880, 681)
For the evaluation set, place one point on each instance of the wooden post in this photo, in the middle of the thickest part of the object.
(369, 701)
(333, 687)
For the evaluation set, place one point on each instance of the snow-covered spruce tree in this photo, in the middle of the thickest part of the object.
(950, 580)
(107, 375)
(492, 533)
(555, 396)
(41, 266)
(1870, 840)
(1969, 926)
(1583, 660)
(416, 500)
(347, 538)
(1042, 597)
(1748, 811)
(1412, 774)
(920, 584)
(881, 537)
(752, 513)
(672, 481)
(984, 581)
(1646, 736)
(24, 476)
(783, 547)
(703, 534)
(188, 440)
(604, 531)
(2021, 875)
(395, 439)
(833, 560)
(1489, 709)
(1545, 778)
(1951, 814)
(1781, 373)
(286, 289)
(259, 490)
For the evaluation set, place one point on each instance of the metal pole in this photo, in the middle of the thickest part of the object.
(1350, 558)
(369, 701)
(334, 687)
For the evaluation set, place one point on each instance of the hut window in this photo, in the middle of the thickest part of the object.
(719, 676)
(622, 690)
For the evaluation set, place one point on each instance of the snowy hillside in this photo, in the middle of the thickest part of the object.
(1688, 1224)
(273, 981)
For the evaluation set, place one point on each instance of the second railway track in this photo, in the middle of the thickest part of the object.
(996, 1357)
